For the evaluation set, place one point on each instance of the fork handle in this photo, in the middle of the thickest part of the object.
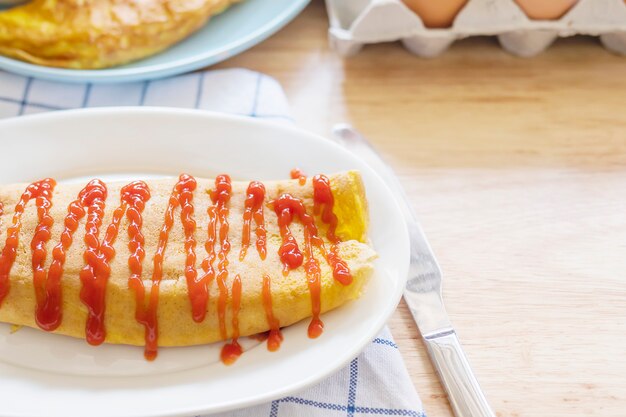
(464, 393)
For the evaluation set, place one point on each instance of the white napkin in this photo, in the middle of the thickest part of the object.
(376, 382)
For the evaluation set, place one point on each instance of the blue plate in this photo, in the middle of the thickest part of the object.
(237, 29)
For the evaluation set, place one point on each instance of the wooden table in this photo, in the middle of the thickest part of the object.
(517, 170)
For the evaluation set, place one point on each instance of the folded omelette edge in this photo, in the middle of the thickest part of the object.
(93, 34)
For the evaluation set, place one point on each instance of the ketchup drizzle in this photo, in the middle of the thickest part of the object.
(185, 188)
(312, 268)
(220, 197)
(286, 207)
(253, 209)
(49, 312)
(289, 252)
(41, 237)
(324, 201)
(199, 291)
(96, 272)
(186, 184)
(297, 174)
(41, 191)
(135, 195)
(275, 336)
(231, 351)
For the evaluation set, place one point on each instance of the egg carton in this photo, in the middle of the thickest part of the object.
(354, 23)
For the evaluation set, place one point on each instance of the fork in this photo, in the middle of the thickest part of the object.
(423, 294)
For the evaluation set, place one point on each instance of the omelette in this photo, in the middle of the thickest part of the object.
(90, 34)
(182, 261)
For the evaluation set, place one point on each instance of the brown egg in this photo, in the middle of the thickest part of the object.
(545, 9)
(436, 13)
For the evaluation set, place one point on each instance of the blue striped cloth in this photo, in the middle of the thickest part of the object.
(235, 91)
(376, 382)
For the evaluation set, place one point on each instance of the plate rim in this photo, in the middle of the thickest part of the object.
(359, 345)
(122, 75)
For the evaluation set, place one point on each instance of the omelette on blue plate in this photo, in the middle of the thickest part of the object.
(90, 34)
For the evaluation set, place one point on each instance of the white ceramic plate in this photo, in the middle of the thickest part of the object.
(52, 375)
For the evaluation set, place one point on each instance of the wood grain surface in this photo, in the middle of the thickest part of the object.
(517, 170)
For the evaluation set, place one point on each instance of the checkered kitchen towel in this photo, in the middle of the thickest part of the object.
(376, 382)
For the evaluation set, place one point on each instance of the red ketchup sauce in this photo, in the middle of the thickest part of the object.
(289, 252)
(324, 201)
(253, 209)
(287, 207)
(48, 287)
(231, 351)
(220, 197)
(275, 336)
(297, 174)
(135, 195)
(41, 191)
(183, 190)
(95, 273)
(199, 293)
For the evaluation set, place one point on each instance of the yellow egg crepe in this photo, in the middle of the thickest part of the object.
(84, 34)
(209, 259)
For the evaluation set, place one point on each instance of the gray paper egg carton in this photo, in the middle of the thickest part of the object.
(354, 23)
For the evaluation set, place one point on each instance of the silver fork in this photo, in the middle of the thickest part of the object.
(423, 294)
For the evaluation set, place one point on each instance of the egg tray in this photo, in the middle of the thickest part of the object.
(354, 23)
